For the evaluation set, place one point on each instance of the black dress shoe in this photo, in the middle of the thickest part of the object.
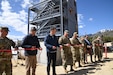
(80, 66)
(92, 61)
(71, 69)
(66, 71)
(54, 74)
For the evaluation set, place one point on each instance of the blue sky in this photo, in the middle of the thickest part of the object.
(96, 15)
(93, 16)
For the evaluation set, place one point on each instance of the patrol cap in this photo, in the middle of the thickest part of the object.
(75, 33)
(66, 31)
(4, 28)
(98, 37)
(33, 29)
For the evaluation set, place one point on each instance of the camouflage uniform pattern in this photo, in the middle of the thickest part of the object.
(5, 56)
(75, 50)
(98, 48)
(82, 50)
(66, 51)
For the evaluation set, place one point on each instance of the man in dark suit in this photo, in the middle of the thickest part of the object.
(51, 43)
(88, 47)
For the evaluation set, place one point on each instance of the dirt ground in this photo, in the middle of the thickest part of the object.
(98, 68)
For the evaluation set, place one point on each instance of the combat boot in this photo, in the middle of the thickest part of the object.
(79, 65)
(71, 68)
(65, 70)
(74, 65)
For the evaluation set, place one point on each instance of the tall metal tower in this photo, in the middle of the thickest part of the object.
(59, 13)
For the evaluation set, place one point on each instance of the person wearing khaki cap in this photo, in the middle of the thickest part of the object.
(75, 49)
(98, 48)
(75, 33)
(66, 54)
(4, 28)
(3, 31)
(66, 31)
(5, 51)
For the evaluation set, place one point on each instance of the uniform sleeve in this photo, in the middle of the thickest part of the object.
(13, 44)
(94, 42)
(60, 41)
(10, 42)
(72, 42)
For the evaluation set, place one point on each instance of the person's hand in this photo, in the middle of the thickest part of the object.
(88, 46)
(82, 45)
(16, 48)
(68, 45)
(61, 47)
(33, 48)
(40, 48)
(76, 45)
(100, 44)
(97, 44)
(54, 47)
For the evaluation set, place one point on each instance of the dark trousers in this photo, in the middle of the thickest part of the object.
(51, 57)
(90, 53)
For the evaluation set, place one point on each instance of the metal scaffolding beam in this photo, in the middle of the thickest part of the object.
(59, 13)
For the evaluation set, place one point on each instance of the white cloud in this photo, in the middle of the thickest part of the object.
(90, 19)
(80, 21)
(23, 15)
(15, 38)
(0, 13)
(25, 3)
(41, 0)
(80, 17)
(103, 30)
(5, 6)
(81, 26)
(15, 20)
(35, 1)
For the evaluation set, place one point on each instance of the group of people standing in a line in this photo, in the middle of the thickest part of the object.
(72, 50)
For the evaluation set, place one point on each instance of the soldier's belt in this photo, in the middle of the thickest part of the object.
(5, 50)
(5, 58)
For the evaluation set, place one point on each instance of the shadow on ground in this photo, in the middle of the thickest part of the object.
(80, 72)
(107, 60)
(88, 69)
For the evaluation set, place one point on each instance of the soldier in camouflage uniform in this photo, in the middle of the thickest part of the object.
(5, 52)
(66, 51)
(98, 48)
(75, 48)
(82, 50)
